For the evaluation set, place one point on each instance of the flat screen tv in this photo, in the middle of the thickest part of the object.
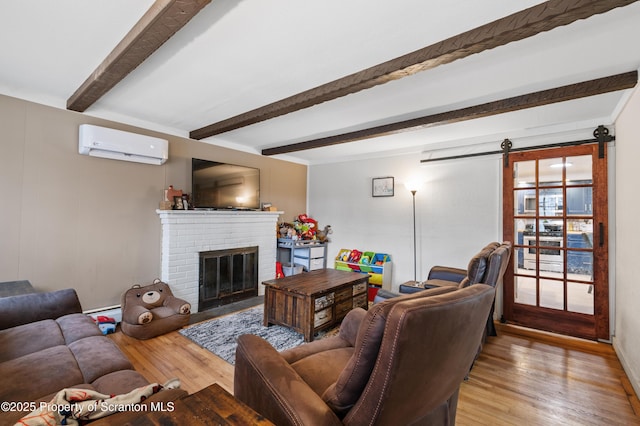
(224, 186)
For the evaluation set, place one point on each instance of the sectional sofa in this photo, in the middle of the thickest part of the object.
(47, 344)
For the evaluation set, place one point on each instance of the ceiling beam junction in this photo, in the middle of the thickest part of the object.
(545, 97)
(520, 25)
(163, 19)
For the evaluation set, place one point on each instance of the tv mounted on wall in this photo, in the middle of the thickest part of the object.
(224, 186)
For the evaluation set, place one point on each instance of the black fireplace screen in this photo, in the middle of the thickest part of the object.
(227, 276)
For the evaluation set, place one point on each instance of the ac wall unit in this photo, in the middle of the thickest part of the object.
(115, 144)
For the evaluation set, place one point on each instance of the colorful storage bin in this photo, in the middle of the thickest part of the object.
(376, 265)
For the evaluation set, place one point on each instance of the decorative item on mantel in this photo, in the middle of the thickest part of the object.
(170, 197)
(268, 207)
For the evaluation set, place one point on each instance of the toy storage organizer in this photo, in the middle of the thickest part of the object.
(377, 265)
(299, 255)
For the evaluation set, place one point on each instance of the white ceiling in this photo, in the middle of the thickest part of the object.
(235, 56)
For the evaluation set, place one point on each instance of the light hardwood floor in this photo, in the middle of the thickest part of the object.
(522, 377)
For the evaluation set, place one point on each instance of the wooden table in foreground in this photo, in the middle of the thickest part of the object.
(314, 301)
(211, 406)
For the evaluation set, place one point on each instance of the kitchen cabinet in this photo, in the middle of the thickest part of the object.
(579, 201)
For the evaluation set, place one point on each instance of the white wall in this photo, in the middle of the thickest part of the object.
(89, 223)
(627, 320)
(457, 210)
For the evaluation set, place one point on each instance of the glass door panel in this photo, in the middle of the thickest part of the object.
(579, 170)
(580, 201)
(551, 294)
(551, 202)
(524, 174)
(580, 298)
(550, 172)
(526, 291)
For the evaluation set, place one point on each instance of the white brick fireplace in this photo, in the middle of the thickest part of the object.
(186, 233)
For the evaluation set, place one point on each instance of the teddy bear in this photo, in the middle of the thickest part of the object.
(146, 305)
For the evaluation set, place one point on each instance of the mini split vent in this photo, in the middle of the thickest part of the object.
(119, 145)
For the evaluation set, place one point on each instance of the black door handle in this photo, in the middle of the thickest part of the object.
(601, 234)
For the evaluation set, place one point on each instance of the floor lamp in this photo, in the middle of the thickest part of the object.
(413, 190)
(413, 193)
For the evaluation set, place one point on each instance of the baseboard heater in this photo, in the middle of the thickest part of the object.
(114, 312)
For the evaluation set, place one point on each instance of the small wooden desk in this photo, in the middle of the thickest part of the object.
(314, 301)
(210, 406)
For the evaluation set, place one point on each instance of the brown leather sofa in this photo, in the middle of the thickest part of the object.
(47, 345)
(399, 363)
(449, 276)
(487, 267)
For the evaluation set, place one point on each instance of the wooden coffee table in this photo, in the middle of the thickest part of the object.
(211, 406)
(314, 301)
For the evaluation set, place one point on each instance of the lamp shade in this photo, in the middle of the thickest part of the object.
(412, 185)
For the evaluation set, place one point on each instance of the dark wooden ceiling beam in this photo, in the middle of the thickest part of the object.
(163, 19)
(518, 26)
(531, 100)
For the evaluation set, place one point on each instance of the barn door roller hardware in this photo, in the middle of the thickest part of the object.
(601, 135)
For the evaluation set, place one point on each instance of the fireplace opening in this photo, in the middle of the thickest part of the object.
(227, 276)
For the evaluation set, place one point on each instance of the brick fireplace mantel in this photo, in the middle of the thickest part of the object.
(186, 233)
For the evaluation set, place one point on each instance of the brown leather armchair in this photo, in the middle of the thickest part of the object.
(497, 264)
(401, 362)
(458, 277)
(487, 267)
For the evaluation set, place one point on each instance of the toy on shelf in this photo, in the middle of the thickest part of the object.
(323, 234)
(355, 256)
(343, 255)
(304, 228)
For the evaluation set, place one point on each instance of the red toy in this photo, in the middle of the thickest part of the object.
(355, 256)
(105, 324)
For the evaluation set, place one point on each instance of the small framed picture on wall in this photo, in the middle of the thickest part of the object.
(382, 187)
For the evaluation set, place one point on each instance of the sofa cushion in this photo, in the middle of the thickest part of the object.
(37, 374)
(478, 266)
(77, 326)
(97, 356)
(302, 351)
(346, 390)
(446, 273)
(29, 338)
(497, 264)
(119, 382)
(440, 283)
(28, 308)
(321, 369)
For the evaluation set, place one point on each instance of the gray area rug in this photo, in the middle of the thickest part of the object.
(219, 335)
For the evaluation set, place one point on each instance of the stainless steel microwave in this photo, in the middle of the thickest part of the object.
(549, 204)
